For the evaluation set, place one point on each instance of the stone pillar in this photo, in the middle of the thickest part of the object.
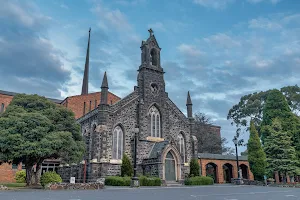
(203, 168)
(276, 177)
(220, 173)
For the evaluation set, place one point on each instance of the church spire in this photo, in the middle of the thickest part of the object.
(189, 106)
(104, 81)
(104, 91)
(85, 83)
(188, 100)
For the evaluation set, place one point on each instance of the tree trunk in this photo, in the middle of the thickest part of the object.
(37, 174)
(29, 171)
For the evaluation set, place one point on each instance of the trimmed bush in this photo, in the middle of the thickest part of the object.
(199, 180)
(126, 167)
(149, 181)
(194, 167)
(20, 176)
(50, 177)
(117, 181)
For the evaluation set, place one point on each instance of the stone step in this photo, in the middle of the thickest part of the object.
(173, 184)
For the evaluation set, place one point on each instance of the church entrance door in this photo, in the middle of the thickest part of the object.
(170, 167)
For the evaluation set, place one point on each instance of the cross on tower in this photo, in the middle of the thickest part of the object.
(151, 31)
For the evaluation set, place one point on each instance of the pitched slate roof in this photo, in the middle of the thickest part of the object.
(221, 157)
(158, 147)
(14, 93)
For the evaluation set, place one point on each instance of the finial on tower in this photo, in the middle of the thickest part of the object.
(188, 100)
(189, 106)
(151, 32)
(104, 82)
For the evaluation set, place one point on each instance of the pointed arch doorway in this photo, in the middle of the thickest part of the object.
(170, 172)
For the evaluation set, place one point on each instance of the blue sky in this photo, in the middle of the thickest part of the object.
(220, 50)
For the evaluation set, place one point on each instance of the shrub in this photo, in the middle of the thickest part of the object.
(199, 180)
(20, 176)
(126, 167)
(149, 181)
(50, 177)
(194, 167)
(117, 181)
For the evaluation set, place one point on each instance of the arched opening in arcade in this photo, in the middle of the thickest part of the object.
(244, 169)
(227, 172)
(211, 171)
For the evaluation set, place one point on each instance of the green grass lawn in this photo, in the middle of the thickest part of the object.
(13, 185)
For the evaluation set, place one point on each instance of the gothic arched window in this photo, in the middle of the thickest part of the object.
(117, 151)
(181, 146)
(155, 122)
(153, 57)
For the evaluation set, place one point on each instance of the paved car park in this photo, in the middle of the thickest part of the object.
(216, 192)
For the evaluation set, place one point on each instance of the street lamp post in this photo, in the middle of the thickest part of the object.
(235, 141)
(135, 180)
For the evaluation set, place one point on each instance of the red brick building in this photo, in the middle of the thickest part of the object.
(79, 104)
(223, 167)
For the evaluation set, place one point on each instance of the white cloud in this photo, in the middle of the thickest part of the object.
(157, 26)
(189, 50)
(215, 4)
(259, 1)
(64, 6)
(264, 23)
(113, 19)
(223, 40)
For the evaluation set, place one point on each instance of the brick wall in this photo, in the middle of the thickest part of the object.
(5, 99)
(219, 168)
(81, 104)
(7, 174)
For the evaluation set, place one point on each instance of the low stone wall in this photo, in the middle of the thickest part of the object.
(2, 187)
(74, 186)
(236, 181)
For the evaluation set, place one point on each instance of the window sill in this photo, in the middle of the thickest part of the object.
(155, 139)
(115, 161)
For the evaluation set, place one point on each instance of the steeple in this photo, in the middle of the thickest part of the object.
(85, 83)
(189, 106)
(104, 91)
(104, 81)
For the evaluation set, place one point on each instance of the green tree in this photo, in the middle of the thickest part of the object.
(256, 154)
(281, 155)
(194, 167)
(251, 106)
(126, 167)
(33, 129)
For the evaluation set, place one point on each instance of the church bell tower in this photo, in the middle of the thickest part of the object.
(150, 74)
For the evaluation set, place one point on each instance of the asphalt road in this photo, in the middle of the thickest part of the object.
(217, 192)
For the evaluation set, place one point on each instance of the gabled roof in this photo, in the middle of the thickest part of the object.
(158, 147)
(15, 93)
(220, 157)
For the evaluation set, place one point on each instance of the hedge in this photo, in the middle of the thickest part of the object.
(50, 177)
(199, 180)
(126, 181)
(149, 181)
(117, 181)
(20, 176)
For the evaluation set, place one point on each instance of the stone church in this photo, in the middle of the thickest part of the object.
(165, 142)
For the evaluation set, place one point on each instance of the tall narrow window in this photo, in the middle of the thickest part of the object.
(117, 152)
(181, 146)
(155, 122)
(90, 106)
(2, 108)
(157, 129)
(84, 108)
